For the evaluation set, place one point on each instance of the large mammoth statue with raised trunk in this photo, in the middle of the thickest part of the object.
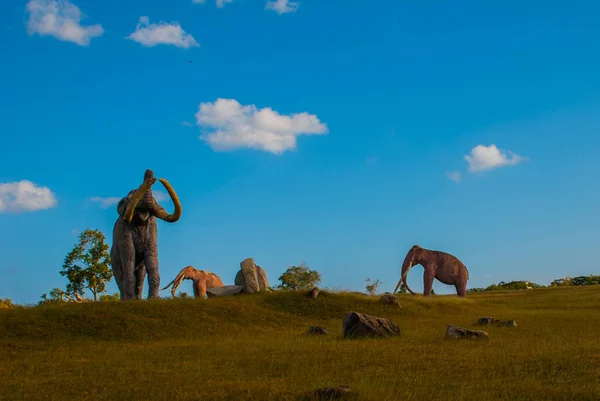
(439, 265)
(134, 249)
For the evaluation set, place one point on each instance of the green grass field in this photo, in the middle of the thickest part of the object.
(254, 347)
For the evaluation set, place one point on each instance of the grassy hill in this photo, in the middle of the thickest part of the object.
(254, 347)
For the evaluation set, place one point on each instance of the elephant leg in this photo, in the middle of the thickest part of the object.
(200, 289)
(151, 262)
(461, 288)
(117, 272)
(140, 276)
(127, 254)
(428, 277)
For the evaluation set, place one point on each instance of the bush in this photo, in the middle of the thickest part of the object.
(372, 288)
(7, 304)
(299, 277)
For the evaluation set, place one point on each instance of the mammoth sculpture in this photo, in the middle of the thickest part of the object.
(201, 278)
(134, 249)
(440, 265)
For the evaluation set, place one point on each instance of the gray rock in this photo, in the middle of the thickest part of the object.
(362, 325)
(263, 281)
(389, 299)
(332, 393)
(249, 276)
(224, 291)
(314, 292)
(318, 330)
(459, 332)
(487, 320)
(507, 323)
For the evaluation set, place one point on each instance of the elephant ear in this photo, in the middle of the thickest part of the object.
(122, 205)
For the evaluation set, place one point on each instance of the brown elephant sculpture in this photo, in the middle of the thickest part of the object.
(201, 278)
(442, 266)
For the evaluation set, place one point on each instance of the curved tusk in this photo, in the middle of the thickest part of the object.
(139, 193)
(162, 214)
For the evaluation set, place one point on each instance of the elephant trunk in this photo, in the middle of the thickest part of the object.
(161, 213)
(139, 194)
(406, 266)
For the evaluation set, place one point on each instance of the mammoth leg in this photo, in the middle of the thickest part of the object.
(127, 256)
(200, 289)
(140, 276)
(427, 282)
(461, 288)
(117, 270)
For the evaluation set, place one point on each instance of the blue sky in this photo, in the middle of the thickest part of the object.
(332, 132)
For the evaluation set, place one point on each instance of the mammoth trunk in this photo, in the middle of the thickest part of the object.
(406, 266)
(161, 213)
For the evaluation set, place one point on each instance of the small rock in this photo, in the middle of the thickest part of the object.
(487, 320)
(313, 293)
(508, 323)
(459, 332)
(332, 393)
(318, 330)
(362, 325)
(224, 291)
(389, 299)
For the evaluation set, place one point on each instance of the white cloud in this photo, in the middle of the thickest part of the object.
(221, 3)
(186, 124)
(61, 19)
(25, 196)
(236, 126)
(198, 1)
(150, 35)
(105, 202)
(453, 175)
(489, 157)
(282, 6)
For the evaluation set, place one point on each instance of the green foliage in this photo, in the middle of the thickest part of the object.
(372, 287)
(7, 303)
(56, 296)
(299, 277)
(576, 281)
(512, 285)
(183, 295)
(87, 266)
(403, 289)
(432, 291)
(110, 297)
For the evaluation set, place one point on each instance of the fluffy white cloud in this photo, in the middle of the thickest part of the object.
(233, 126)
(489, 157)
(161, 34)
(198, 1)
(105, 203)
(186, 124)
(61, 19)
(453, 175)
(221, 3)
(25, 196)
(282, 6)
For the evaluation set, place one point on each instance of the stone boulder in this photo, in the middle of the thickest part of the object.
(507, 323)
(389, 299)
(459, 332)
(313, 293)
(224, 291)
(318, 330)
(487, 320)
(362, 325)
(252, 277)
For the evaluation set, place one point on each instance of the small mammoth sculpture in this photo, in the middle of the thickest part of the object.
(134, 250)
(440, 265)
(201, 278)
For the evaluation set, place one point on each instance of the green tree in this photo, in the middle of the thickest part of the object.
(372, 287)
(299, 277)
(7, 304)
(56, 295)
(87, 266)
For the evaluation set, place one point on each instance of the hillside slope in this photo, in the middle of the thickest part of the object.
(253, 347)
